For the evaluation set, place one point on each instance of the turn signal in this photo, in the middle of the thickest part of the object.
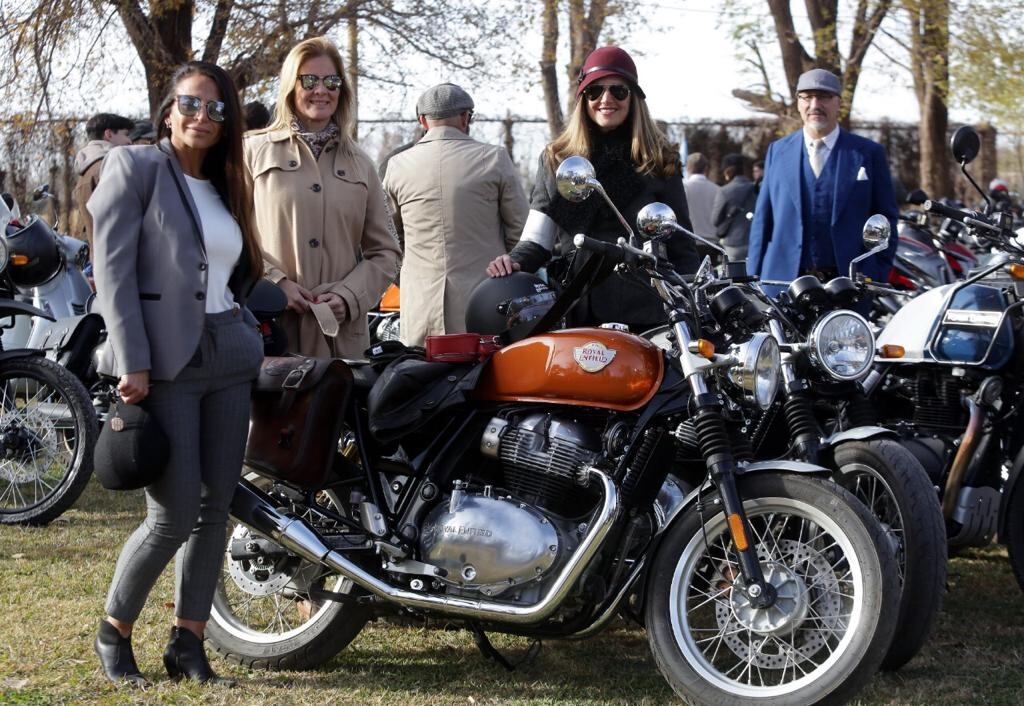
(891, 350)
(19, 260)
(703, 348)
(739, 537)
(1017, 270)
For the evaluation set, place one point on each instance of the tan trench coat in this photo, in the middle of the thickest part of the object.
(325, 225)
(460, 204)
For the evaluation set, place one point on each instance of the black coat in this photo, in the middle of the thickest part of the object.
(616, 298)
(729, 214)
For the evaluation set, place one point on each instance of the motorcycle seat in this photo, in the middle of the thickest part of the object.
(363, 375)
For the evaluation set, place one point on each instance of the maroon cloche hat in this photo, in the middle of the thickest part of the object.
(608, 61)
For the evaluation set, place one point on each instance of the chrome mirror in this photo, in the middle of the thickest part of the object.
(576, 179)
(656, 221)
(876, 232)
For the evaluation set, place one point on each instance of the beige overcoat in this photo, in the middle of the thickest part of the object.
(325, 225)
(459, 204)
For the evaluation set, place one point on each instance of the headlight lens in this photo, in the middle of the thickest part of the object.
(842, 345)
(757, 375)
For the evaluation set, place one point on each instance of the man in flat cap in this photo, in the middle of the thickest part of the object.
(820, 184)
(458, 203)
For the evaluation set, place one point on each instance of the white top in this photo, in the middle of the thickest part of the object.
(700, 198)
(223, 239)
(830, 143)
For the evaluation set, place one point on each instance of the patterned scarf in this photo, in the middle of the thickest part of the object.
(316, 140)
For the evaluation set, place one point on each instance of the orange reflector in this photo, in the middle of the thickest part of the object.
(1017, 270)
(891, 350)
(19, 260)
(739, 537)
(390, 300)
(705, 348)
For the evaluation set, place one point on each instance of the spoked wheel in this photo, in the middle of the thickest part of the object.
(268, 610)
(823, 637)
(897, 491)
(1014, 531)
(48, 430)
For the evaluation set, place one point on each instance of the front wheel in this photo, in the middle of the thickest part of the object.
(48, 429)
(897, 491)
(827, 631)
(1014, 535)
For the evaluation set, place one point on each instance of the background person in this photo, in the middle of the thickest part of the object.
(733, 207)
(821, 183)
(256, 116)
(105, 130)
(458, 203)
(175, 259)
(321, 213)
(611, 127)
(700, 195)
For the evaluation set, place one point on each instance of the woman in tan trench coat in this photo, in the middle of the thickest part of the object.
(321, 213)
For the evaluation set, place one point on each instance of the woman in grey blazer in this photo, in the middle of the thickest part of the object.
(175, 257)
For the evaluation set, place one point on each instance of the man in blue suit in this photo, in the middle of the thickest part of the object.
(820, 184)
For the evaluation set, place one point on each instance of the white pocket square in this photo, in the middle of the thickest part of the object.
(862, 175)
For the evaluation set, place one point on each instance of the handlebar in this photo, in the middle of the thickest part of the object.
(621, 252)
(942, 209)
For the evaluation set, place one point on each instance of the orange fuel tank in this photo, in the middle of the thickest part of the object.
(591, 367)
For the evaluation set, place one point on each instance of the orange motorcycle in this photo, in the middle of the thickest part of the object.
(535, 490)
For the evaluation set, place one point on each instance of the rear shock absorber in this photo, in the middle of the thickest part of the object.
(803, 428)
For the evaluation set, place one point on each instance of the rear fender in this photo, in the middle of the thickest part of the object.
(12, 307)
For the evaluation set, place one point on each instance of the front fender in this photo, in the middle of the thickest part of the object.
(19, 353)
(12, 307)
(857, 434)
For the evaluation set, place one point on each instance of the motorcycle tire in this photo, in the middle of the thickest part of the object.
(823, 638)
(1014, 535)
(897, 491)
(48, 429)
(267, 616)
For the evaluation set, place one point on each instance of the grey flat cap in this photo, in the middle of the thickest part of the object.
(443, 101)
(819, 80)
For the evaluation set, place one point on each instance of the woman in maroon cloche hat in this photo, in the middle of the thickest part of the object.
(635, 163)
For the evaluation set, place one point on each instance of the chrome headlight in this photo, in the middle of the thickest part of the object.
(757, 374)
(842, 344)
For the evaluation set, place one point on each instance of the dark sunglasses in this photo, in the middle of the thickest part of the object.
(189, 106)
(309, 81)
(594, 91)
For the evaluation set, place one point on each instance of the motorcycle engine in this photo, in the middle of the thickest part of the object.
(542, 456)
(490, 544)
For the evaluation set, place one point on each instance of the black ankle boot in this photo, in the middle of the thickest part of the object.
(116, 657)
(185, 657)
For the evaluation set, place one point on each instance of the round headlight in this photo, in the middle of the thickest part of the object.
(842, 344)
(757, 374)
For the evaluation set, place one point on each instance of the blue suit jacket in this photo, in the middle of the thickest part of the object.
(863, 187)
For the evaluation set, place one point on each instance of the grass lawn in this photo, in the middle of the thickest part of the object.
(53, 581)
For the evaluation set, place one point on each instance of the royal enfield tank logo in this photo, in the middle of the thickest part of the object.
(593, 357)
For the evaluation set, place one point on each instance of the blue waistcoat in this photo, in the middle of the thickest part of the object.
(816, 199)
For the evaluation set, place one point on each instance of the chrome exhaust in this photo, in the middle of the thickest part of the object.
(253, 508)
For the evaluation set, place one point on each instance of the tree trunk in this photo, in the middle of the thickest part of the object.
(548, 70)
(353, 75)
(929, 21)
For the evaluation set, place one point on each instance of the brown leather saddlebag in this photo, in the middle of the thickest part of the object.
(298, 408)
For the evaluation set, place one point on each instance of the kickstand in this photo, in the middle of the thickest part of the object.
(489, 652)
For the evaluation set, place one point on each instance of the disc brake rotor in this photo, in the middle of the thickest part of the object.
(812, 593)
(264, 575)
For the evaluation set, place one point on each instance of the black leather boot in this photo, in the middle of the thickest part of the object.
(117, 658)
(185, 657)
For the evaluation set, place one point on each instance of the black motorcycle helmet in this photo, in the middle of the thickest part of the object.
(36, 241)
(508, 306)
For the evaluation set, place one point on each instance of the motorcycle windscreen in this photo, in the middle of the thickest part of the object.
(971, 333)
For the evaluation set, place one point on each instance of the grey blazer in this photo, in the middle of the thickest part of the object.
(150, 263)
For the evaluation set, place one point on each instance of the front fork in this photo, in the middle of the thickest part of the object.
(717, 451)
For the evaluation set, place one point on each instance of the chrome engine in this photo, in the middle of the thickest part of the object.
(542, 456)
(491, 544)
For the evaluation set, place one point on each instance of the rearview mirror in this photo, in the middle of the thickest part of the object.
(656, 221)
(917, 197)
(965, 144)
(876, 232)
(576, 179)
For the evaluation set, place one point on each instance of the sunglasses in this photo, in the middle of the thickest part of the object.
(594, 91)
(189, 106)
(309, 81)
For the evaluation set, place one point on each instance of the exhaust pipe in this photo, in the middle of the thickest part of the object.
(253, 508)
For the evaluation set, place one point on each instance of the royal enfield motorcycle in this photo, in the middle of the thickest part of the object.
(47, 423)
(535, 493)
(826, 350)
(948, 379)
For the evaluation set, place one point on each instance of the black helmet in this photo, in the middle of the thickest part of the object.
(39, 244)
(508, 306)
